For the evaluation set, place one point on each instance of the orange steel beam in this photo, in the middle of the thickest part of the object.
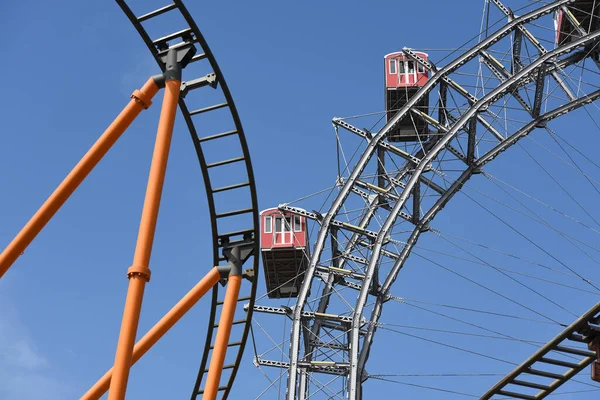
(158, 330)
(140, 100)
(139, 273)
(222, 339)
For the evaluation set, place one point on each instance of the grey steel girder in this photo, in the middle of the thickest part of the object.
(490, 97)
(522, 31)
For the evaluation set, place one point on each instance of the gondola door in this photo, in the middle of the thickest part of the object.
(283, 230)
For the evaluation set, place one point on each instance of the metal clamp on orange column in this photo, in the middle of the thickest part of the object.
(141, 98)
(139, 270)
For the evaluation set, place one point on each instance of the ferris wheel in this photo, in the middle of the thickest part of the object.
(444, 121)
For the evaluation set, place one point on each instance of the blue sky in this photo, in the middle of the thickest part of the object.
(291, 66)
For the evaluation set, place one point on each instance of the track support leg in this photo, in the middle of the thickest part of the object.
(140, 100)
(225, 323)
(139, 273)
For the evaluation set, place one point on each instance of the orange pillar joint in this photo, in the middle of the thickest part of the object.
(215, 369)
(139, 272)
(158, 330)
(140, 100)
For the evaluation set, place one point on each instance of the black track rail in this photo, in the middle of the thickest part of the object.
(249, 234)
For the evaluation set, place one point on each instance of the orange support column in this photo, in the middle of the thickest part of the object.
(222, 339)
(158, 330)
(139, 273)
(140, 100)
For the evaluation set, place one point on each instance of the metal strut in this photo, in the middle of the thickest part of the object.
(139, 273)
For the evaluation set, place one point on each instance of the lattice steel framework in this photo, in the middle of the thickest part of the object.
(401, 187)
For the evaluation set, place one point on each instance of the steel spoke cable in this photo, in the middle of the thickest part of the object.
(500, 334)
(554, 133)
(322, 386)
(488, 289)
(513, 271)
(558, 183)
(562, 213)
(331, 188)
(496, 314)
(442, 344)
(504, 335)
(425, 387)
(333, 340)
(542, 221)
(574, 392)
(564, 162)
(484, 246)
(421, 328)
(531, 241)
(276, 345)
(272, 383)
(565, 235)
(575, 163)
(327, 386)
(512, 278)
(434, 375)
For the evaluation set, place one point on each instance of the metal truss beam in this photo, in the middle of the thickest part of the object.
(332, 223)
(489, 98)
(541, 49)
(369, 137)
(331, 368)
(355, 370)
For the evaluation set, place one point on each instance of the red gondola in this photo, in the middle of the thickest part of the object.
(284, 249)
(403, 78)
(586, 12)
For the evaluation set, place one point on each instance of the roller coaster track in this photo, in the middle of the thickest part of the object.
(467, 134)
(229, 227)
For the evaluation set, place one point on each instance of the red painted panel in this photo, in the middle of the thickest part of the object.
(403, 77)
(283, 234)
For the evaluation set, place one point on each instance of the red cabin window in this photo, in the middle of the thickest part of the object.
(278, 228)
(392, 66)
(268, 224)
(297, 224)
